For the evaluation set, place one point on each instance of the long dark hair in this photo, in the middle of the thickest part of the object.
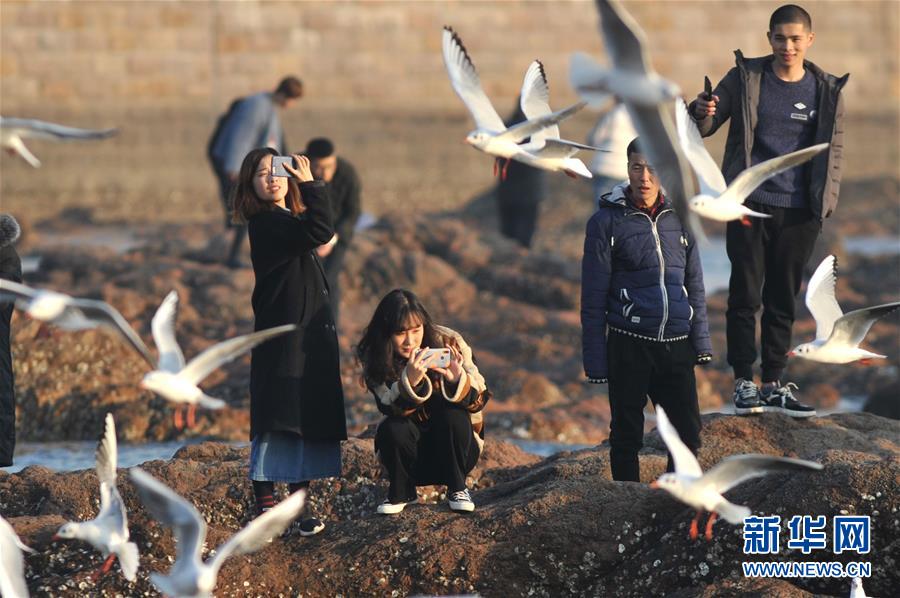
(398, 310)
(244, 200)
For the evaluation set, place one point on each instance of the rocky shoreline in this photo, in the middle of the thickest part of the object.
(551, 527)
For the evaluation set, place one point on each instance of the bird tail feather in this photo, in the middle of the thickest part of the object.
(128, 560)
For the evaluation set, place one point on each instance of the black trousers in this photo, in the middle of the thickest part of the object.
(518, 220)
(441, 451)
(7, 390)
(767, 261)
(333, 264)
(640, 368)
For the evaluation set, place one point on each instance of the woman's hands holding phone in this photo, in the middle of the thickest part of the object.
(453, 372)
(300, 169)
(417, 366)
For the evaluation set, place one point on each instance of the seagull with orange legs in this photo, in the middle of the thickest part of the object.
(177, 381)
(703, 491)
(108, 532)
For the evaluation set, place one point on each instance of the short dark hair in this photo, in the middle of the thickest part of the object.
(320, 147)
(633, 148)
(290, 87)
(790, 13)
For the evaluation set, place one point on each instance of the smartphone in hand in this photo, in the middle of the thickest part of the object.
(441, 361)
(707, 88)
(278, 163)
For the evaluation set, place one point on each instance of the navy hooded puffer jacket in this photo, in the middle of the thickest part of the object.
(640, 277)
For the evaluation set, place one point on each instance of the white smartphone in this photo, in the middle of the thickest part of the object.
(442, 360)
(278, 163)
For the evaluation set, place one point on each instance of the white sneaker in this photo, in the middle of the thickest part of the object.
(461, 501)
(391, 508)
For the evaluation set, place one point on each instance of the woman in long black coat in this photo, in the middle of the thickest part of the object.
(296, 399)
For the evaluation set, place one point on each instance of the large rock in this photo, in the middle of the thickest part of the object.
(557, 527)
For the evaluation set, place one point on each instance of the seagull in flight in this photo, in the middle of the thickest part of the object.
(546, 146)
(716, 200)
(647, 97)
(837, 334)
(190, 576)
(14, 130)
(702, 491)
(108, 532)
(71, 313)
(177, 381)
(12, 563)
(491, 135)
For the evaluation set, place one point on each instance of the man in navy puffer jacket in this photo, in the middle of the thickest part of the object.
(641, 281)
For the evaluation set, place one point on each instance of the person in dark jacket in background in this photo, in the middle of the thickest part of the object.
(519, 195)
(641, 281)
(343, 197)
(297, 416)
(777, 104)
(433, 432)
(10, 269)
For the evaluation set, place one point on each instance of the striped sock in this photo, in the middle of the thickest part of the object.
(264, 494)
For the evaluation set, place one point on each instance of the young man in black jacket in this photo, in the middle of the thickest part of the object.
(777, 104)
(343, 196)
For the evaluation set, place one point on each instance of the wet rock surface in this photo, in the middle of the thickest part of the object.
(552, 527)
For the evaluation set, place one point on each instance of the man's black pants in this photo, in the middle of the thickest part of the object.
(332, 264)
(240, 230)
(440, 451)
(767, 262)
(640, 368)
(7, 390)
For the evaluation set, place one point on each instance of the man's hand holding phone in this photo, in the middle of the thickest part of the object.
(706, 102)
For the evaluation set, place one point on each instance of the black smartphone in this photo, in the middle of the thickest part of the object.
(278, 163)
(707, 87)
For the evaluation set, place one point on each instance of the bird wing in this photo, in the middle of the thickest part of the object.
(820, 299)
(39, 129)
(213, 357)
(685, 461)
(467, 85)
(15, 143)
(12, 565)
(751, 178)
(736, 469)
(623, 38)
(534, 99)
(107, 454)
(660, 142)
(552, 148)
(709, 176)
(172, 510)
(259, 531)
(852, 327)
(528, 128)
(104, 314)
(13, 291)
(171, 359)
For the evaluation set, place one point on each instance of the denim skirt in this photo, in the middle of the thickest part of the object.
(287, 457)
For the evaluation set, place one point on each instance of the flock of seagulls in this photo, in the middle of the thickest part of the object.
(676, 150)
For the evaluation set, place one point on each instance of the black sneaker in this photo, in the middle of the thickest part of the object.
(746, 397)
(780, 399)
(304, 527)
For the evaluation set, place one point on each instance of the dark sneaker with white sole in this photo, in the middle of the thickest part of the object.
(780, 399)
(304, 527)
(746, 397)
(461, 501)
(392, 508)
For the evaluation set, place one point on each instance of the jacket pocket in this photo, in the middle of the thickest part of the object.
(690, 307)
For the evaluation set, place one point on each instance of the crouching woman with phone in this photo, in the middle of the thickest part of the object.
(296, 399)
(425, 381)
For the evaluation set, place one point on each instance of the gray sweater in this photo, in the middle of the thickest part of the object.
(254, 123)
